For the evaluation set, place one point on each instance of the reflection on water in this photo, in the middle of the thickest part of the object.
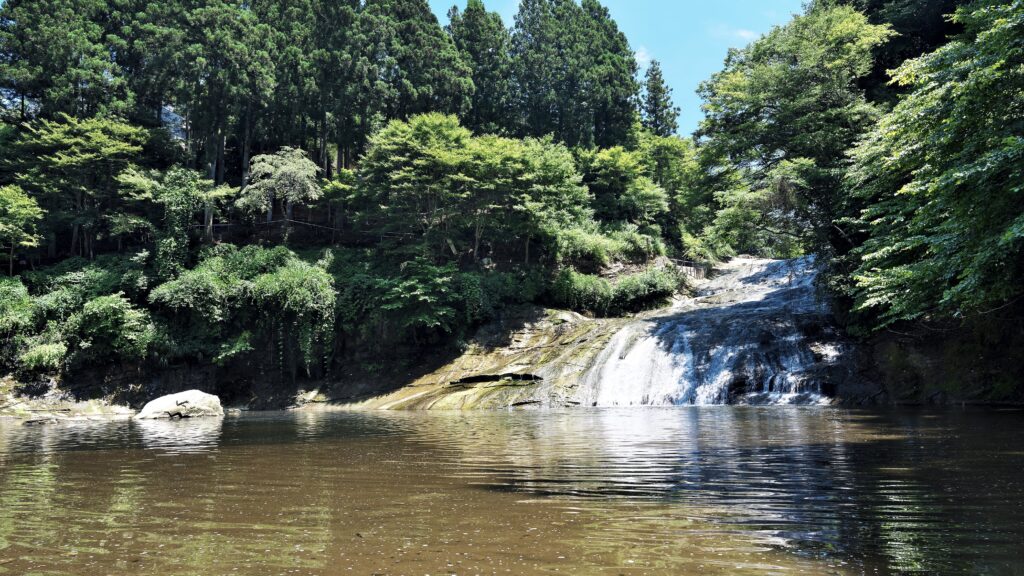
(180, 436)
(654, 491)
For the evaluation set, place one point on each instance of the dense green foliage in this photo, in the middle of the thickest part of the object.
(942, 178)
(910, 188)
(459, 226)
(485, 43)
(782, 114)
(629, 293)
(281, 186)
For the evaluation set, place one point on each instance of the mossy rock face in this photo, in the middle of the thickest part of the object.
(6, 385)
(979, 362)
(538, 363)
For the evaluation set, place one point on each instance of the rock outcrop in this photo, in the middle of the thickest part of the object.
(756, 333)
(189, 404)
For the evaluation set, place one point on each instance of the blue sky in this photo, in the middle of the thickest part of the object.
(689, 37)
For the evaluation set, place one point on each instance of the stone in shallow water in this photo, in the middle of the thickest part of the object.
(190, 404)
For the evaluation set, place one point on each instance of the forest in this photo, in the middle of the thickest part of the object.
(294, 186)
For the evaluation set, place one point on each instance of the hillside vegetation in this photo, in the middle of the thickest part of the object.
(281, 186)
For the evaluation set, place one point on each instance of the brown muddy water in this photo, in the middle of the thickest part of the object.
(710, 490)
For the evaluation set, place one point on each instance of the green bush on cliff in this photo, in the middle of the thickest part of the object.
(80, 279)
(109, 328)
(631, 293)
(298, 303)
(238, 301)
(43, 356)
(16, 314)
(583, 292)
(592, 249)
(645, 289)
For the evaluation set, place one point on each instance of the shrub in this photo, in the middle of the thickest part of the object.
(204, 290)
(16, 317)
(593, 294)
(591, 249)
(109, 328)
(645, 289)
(296, 301)
(79, 280)
(251, 261)
(582, 292)
(15, 307)
(239, 301)
(582, 248)
(423, 298)
(634, 246)
(45, 356)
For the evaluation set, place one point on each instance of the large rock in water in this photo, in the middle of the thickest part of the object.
(190, 404)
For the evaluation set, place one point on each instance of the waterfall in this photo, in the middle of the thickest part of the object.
(755, 333)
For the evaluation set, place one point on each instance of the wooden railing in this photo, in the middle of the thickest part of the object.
(692, 269)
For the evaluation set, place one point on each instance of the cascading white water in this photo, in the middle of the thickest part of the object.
(756, 333)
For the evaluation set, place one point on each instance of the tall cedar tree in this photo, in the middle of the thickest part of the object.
(484, 43)
(146, 39)
(421, 69)
(227, 57)
(660, 116)
(52, 56)
(612, 77)
(574, 73)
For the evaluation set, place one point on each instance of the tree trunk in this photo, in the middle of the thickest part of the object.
(324, 158)
(478, 233)
(75, 228)
(10, 261)
(246, 143)
(220, 159)
(212, 149)
(208, 220)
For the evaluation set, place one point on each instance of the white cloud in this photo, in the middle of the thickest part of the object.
(724, 32)
(643, 56)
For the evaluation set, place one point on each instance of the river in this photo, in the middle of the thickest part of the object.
(673, 490)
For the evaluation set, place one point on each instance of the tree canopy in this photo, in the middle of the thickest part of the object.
(782, 114)
(428, 177)
(941, 177)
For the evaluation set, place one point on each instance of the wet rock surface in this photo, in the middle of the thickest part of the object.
(757, 332)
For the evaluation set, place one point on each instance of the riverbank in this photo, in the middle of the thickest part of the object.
(55, 405)
(756, 332)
